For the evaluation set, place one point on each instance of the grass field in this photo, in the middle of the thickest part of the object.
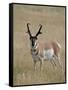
(53, 22)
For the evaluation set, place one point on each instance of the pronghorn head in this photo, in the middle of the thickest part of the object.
(33, 39)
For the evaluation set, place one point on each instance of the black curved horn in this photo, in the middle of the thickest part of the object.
(39, 32)
(28, 29)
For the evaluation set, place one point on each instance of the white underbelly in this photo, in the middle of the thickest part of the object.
(48, 54)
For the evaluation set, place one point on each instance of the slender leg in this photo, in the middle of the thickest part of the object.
(34, 65)
(59, 63)
(58, 59)
(53, 63)
(41, 65)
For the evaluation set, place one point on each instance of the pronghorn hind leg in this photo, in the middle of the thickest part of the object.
(53, 63)
(59, 63)
(57, 58)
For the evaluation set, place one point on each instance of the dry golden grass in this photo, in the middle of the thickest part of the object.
(53, 21)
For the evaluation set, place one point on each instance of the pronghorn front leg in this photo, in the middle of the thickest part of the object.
(41, 65)
(34, 65)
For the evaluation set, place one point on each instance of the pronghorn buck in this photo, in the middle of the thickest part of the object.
(42, 51)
